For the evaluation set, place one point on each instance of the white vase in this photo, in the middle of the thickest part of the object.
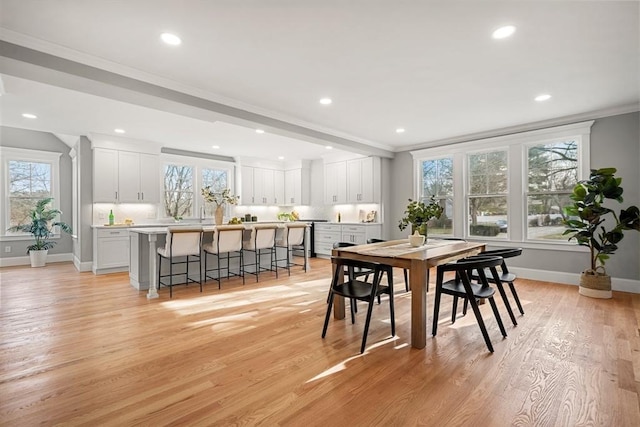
(38, 258)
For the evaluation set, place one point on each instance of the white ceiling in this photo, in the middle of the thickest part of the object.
(430, 67)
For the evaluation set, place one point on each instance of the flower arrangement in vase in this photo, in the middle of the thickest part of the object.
(220, 199)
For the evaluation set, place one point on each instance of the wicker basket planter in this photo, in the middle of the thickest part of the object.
(595, 284)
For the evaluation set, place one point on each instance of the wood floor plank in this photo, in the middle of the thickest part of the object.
(79, 349)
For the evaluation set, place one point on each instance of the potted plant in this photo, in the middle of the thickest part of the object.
(219, 199)
(41, 227)
(586, 221)
(418, 215)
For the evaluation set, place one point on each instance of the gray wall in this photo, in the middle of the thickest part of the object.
(85, 178)
(615, 142)
(44, 141)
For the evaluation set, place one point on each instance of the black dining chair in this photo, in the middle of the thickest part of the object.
(404, 270)
(505, 275)
(356, 289)
(443, 238)
(461, 286)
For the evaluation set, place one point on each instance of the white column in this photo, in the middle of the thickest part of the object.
(153, 291)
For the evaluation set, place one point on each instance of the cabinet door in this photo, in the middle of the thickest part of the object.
(366, 181)
(105, 175)
(149, 178)
(278, 188)
(335, 175)
(246, 196)
(268, 189)
(354, 181)
(293, 186)
(128, 177)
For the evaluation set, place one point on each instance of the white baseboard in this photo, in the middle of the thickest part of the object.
(617, 284)
(25, 260)
(82, 266)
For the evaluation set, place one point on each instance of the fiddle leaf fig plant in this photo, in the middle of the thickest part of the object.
(41, 226)
(588, 216)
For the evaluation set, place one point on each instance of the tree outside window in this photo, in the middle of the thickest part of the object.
(487, 194)
(437, 181)
(218, 180)
(552, 174)
(178, 191)
(29, 182)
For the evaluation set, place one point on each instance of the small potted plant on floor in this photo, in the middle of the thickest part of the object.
(41, 227)
(418, 215)
(586, 222)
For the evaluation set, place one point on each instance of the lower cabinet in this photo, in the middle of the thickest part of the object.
(326, 234)
(110, 250)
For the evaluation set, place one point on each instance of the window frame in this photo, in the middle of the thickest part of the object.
(425, 198)
(198, 165)
(8, 154)
(517, 146)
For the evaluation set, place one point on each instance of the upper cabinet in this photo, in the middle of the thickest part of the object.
(125, 177)
(353, 181)
(274, 187)
(335, 186)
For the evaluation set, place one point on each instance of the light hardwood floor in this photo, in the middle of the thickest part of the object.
(79, 349)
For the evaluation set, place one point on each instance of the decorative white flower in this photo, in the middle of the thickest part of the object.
(220, 199)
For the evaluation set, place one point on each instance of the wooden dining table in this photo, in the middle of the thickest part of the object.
(399, 253)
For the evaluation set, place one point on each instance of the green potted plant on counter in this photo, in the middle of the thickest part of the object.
(41, 227)
(418, 214)
(586, 222)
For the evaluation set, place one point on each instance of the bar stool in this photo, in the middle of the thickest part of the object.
(293, 240)
(180, 242)
(262, 241)
(227, 239)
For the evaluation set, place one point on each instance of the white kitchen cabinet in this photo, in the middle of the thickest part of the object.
(335, 188)
(363, 180)
(110, 250)
(326, 234)
(278, 188)
(246, 195)
(262, 186)
(125, 177)
(297, 186)
(105, 175)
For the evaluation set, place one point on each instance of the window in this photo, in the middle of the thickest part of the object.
(487, 194)
(552, 174)
(437, 181)
(178, 190)
(513, 187)
(183, 181)
(30, 176)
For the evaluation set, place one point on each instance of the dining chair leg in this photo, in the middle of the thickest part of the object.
(406, 279)
(454, 309)
(506, 302)
(326, 318)
(366, 326)
(483, 329)
(498, 318)
(436, 304)
(515, 296)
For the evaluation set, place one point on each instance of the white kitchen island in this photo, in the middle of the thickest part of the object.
(143, 253)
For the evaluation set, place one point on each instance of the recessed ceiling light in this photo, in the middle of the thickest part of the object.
(280, 157)
(215, 147)
(325, 101)
(400, 130)
(543, 97)
(504, 32)
(259, 131)
(118, 130)
(328, 147)
(170, 39)
(29, 116)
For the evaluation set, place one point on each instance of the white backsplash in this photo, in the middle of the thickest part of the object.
(141, 213)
